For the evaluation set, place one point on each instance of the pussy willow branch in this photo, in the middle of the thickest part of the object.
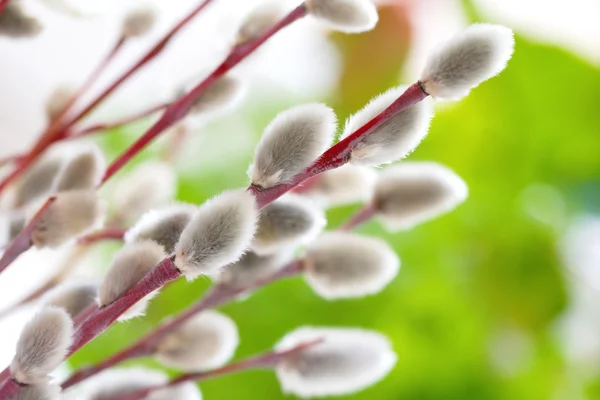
(3, 4)
(52, 133)
(363, 215)
(217, 296)
(264, 361)
(180, 107)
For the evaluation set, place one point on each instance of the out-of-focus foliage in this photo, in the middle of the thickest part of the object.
(471, 314)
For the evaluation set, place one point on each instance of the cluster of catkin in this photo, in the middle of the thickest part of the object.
(242, 239)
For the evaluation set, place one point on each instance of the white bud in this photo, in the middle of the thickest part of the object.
(346, 361)
(73, 297)
(222, 95)
(73, 213)
(183, 391)
(38, 180)
(345, 185)
(205, 341)
(42, 391)
(258, 22)
(57, 101)
(139, 22)
(16, 223)
(411, 193)
(162, 225)
(252, 267)
(471, 57)
(346, 265)
(15, 23)
(349, 16)
(128, 267)
(289, 221)
(83, 171)
(42, 346)
(396, 137)
(117, 382)
(218, 234)
(149, 185)
(291, 142)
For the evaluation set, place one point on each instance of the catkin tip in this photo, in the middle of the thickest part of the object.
(349, 16)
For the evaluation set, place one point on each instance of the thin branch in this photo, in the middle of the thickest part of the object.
(104, 234)
(363, 215)
(264, 361)
(3, 4)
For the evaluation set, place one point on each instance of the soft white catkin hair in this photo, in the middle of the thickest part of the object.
(128, 267)
(345, 185)
(15, 23)
(183, 391)
(252, 267)
(414, 192)
(258, 21)
(206, 341)
(149, 185)
(472, 56)
(218, 234)
(139, 22)
(73, 213)
(347, 265)
(396, 137)
(57, 100)
(291, 142)
(289, 221)
(38, 180)
(348, 360)
(42, 391)
(73, 297)
(121, 381)
(221, 95)
(83, 171)
(162, 225)
(42, 346)
(349, 16)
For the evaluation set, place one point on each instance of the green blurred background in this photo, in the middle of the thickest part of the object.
(473, 312)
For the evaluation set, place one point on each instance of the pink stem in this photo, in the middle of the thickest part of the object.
(22, 242)
(307, 185)
(116, 124)
(179, 108)
(268, 360)
(146, 345)
(3, 4)
(339, 154)
(363, 215)
(105, 234)
(9, 388)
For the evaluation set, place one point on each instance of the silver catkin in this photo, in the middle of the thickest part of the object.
(41, 391)
(73, 297)
(139, 22)
(83, 171)
(251, 267)
(349, 16)
(16, 23)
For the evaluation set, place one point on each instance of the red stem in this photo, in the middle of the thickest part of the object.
(3, 4)
(146, 345)
(363, 215)
(339, 154)
(22, 242)
(266, 360)
(105, 234)
(116, 124)
(179, 108)
(9, 388)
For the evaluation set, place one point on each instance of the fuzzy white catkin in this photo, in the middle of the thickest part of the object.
(42, 346)
(73, 213)
(162, 225)
(204, 342)
(73, 297)
(15, 23)
(346, 361)
(341, 186)
(149, 185)
(139, 22)
(471, 57)
(291, 142)
(116, 382)
(37, 181)
(349, 16)
(220, 96)
(289, 221)
(347, 265)
(252, 267)
(396, 137)
(57, 101)
(128, 267)
(183, 391)
(415, 192)
(42, 391)
(218, 235)
(258, 22)
(83, 171)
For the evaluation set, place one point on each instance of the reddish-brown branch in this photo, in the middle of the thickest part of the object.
(146, 345)
(339, 154)
(3, 4)
(363, 215)
(180, 107)
(22, 242)
(104, 234)
(267, 360)
(9, 388)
